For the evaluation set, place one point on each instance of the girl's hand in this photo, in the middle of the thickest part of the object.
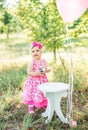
(44, 70)
(38, 73)
(48, 69)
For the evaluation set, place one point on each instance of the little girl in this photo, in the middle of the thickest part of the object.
(37, 70)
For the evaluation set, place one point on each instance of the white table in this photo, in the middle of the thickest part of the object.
(54, 91)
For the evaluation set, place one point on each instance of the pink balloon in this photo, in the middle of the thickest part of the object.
(71, 10)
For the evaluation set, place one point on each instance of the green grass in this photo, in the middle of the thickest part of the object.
(14, 57)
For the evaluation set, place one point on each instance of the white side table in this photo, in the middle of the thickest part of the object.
(54, 91)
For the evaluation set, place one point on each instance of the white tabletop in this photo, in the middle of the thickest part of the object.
(53, 87)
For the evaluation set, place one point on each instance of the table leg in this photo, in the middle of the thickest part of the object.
(50, 108)
(54, 100)
(45, 114)
(57, 101)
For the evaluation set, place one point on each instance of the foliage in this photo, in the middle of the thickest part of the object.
(6, 18)
(79, 26)
(2, 2)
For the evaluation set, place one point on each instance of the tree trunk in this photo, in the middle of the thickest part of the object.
(54, 52)
(7, 31)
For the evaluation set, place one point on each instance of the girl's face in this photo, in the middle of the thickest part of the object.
(36, 53)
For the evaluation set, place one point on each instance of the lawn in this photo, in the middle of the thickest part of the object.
(14, 57)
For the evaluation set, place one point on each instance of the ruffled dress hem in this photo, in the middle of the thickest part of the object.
(36, 104)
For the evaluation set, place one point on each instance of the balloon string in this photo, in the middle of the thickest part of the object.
(67, 35)
(70, 91)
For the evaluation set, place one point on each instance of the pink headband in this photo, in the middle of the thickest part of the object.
(34, 44)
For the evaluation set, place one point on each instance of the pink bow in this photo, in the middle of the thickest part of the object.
(34, 44)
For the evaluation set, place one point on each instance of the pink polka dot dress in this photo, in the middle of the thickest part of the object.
(31, 94)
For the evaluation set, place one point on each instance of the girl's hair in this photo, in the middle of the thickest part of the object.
(34, 44)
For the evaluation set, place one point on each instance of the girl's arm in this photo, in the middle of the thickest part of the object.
(31, 72)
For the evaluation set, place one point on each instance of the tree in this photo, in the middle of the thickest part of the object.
(43, 23)
(56, 29)
(7, 17)
(8, 20)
